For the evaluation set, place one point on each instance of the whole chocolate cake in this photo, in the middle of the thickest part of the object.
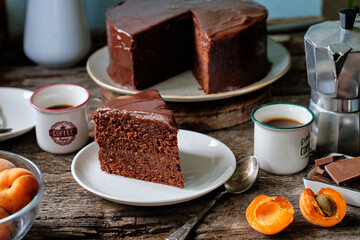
(224, 42)
(137, 138)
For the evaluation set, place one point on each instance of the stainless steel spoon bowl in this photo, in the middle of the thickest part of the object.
(245, 175)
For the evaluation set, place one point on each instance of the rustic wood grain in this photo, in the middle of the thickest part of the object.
(70, 212)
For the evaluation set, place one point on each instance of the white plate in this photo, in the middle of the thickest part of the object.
(184, 87)
(351, 196)
(206, 164)
(17, 111)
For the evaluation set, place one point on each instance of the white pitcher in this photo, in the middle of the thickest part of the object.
(56, 32)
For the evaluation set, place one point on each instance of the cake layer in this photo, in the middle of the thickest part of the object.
(143, 167)
(133, 133)
(223, 42)
(229, 64)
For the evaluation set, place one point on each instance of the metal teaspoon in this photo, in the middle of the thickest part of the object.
(243, 178)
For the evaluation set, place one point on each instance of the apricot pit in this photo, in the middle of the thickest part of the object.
(326, 205)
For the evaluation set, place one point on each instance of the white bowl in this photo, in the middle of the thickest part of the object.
(351, 196)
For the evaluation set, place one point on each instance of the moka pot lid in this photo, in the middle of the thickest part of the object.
(338, 37)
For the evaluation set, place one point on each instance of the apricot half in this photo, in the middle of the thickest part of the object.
(325, 209)
(269, 215)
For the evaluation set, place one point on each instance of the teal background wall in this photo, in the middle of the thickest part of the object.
(95, 10)
(292, 8)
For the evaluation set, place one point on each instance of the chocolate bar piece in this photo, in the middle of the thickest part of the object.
(321, 171)
(327, 160)
(324, 161)
(344, 170)
(353, 185)
(321, 178)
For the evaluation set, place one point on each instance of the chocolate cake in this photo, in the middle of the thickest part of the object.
(224, 43)
(137, 138)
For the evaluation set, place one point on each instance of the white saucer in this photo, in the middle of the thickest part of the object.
(206, 164)
(17, 111)
(184, 87)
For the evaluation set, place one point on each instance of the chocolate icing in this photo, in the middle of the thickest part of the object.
(144, 105)
(150, 41)
(218, 19)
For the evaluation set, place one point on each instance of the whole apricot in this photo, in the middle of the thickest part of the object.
(269, 215)
(327, 208)
(18, 187)
(5, 164)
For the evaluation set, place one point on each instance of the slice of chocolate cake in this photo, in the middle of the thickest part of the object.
(137, 138)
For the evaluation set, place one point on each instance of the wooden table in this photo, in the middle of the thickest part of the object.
(69, 211)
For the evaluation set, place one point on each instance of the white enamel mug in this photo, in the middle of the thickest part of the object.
(282, 150)
(63, 130)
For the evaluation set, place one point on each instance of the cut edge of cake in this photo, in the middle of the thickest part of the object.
(137, 138)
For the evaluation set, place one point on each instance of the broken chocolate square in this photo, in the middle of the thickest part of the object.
(326, 160)
(344, 170)
(321, 178)
(354, 185)
(321, 171)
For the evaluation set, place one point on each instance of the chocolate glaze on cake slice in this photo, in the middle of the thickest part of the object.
(137, 138)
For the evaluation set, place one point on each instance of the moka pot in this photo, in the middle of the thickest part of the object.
(332, 50)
